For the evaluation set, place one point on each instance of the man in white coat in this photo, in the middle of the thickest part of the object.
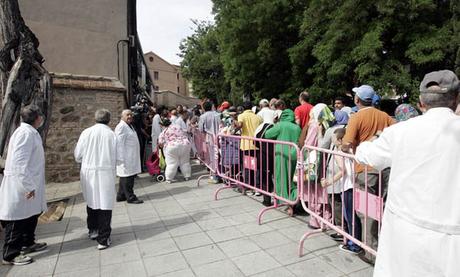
(96, 151)
(130, 163)
(420, 233)
(162, 111)
(22, 192)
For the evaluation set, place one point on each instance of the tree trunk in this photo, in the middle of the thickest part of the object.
(23, 79)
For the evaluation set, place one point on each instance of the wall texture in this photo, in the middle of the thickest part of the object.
(76, 98)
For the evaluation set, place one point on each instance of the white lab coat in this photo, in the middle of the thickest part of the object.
(423, 192)
(267, 114)
(128, 150)
(97, 152)
(24, 172)
(156, 131)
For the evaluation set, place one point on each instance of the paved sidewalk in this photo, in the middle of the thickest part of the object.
(181, 231)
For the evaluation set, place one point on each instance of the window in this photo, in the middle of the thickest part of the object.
(178, 89)
(156, 75)
(177, 76)
(151, 59)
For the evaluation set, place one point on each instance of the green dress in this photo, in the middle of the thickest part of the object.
(285, 130)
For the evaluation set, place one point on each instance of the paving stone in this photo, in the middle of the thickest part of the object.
(253, 228)
(180, 219)
(256, 262)
(135, 268)
(157, 247)
(40, 267)
(166, 263)
(81, 273)
(182, 230)
(221, 268)
(78, 262)
(203, 255)
(288, 253)
(277, 272)
(238, 247)
(224, 234)
(180, 273)
(214, 223)
(270, 239)
(368, 272)
(313, 268)
(192, 241)
(120, 254)
(345, 262)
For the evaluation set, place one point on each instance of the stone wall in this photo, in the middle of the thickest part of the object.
(76, 98)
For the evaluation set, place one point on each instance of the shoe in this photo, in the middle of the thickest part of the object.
(249, 192)
(104, 246)
(312, 227)
(93, 234)
(257, 193)
(19, 260)
(348, 249)
(168, 181)
(213, 181)
(336, 237)
(121, 199)
(186, 179)
(36, 247)
(135, 201)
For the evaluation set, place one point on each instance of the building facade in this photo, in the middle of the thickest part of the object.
(166, 76)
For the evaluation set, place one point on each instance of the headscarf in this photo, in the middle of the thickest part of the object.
(341, 117)
(404, 112)
(322, 114)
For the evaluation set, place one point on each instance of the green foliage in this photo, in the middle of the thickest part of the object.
(268, 48)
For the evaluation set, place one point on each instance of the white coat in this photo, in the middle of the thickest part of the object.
(24, 172)
(156, 131)
(96, 151)
(423, 193)
(128, 150)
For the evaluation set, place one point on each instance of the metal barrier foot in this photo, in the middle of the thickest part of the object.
(304, 237)
(201, 177)
(261, 213)
(224, 186)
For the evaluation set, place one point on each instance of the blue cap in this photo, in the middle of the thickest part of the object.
(364, 92)
(376, 99)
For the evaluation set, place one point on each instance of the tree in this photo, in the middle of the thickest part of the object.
(23, 79)
(201, 63)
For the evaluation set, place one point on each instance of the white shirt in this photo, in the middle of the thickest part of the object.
(156, 131)
(128, 150)
(267, 114)
(96, 150)
(423, 153)
(24, 172)
(180, 122)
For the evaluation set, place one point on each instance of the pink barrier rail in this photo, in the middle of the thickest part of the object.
(206, 152)
(330, 179)
(261, 165)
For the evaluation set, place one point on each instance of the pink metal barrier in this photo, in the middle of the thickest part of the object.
(261, 165)
(329, 180)
(206, 152)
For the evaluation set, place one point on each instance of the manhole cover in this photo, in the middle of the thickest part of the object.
(55, 211)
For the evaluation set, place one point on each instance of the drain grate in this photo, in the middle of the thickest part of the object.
(56, 210)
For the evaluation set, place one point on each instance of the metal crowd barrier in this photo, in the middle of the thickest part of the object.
(261, 165)
(366, 196)
(206, 152)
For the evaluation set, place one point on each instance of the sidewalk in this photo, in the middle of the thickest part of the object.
(181, 231)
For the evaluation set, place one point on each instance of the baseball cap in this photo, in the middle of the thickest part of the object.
(444, 81)
(364, 92)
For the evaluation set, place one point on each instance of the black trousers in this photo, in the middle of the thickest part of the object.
(125, 188)
(99, 220)
(18, 234)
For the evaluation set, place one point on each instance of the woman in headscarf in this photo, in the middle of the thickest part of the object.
(320, 119)
(285, 130)
(404, 112)
(341, 120)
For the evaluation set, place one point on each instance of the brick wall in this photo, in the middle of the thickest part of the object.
(76, 98)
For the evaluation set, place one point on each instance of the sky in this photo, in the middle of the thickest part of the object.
(162, 24)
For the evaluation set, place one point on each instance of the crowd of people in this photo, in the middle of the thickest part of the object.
(415, 155)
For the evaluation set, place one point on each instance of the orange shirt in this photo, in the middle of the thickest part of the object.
(363, 125)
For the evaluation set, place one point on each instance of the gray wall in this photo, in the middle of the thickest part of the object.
(78, 36)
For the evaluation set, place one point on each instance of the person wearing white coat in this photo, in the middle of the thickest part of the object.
(96, 151)
(22, 192)
(130, 162)
(420, 233)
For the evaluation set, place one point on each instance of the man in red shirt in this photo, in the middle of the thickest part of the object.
(302, 112)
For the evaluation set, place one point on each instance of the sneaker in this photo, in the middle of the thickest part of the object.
(135, 201)
(213, 181)
(19, 260)
(104, 246)
(121, 199)
(350, 250)
(93, 234)
(336, 237)
(257, 194)
(168, 182)
(34, 248)
(249, 192)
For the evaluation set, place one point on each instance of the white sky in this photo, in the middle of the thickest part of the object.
(162, 24)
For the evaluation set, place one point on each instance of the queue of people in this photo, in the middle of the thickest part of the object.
(416, 155)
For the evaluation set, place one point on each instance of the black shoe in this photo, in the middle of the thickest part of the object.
(135, 201)
(336, 237)
(121, 198)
